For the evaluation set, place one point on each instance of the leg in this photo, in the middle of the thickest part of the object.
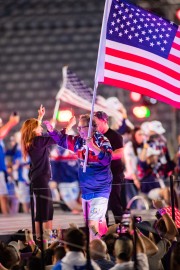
(46, 225)
(103, 227)
(115, 204)
(97, 208)
(131, 191)
(44, 208)
(69, 193)
(25, 207)
(4, 204)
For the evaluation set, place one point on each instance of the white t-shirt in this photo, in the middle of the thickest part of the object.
(74, 261)
(141, 260)
(130, 160)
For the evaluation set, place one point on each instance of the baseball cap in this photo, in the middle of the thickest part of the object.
(152, 152)
(101, 115)
(115, 103)
(145, 127)
(157, 127)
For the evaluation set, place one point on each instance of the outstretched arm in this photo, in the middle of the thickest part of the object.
(170, 225)
(4, 130)
(151, 248)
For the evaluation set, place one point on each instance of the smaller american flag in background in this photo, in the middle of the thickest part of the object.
(75, 92)
(141, 52)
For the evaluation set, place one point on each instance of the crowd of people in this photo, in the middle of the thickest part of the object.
(137, 244)
(121, 164)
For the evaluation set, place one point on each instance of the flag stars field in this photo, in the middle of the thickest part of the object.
(142, 54)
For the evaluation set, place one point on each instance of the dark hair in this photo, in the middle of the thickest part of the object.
(110, 240)
(134, 142)
(160, 226)
(59, 253)
(124, 248)
(75, 239)
(101, 115)
(8, 256)
(48, 253)
(34, 263)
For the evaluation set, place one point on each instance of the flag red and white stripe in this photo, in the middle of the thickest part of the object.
(139, 70)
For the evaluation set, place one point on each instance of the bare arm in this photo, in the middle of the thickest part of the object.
(4, 130)
(2, 267)
(143, 153)
(170, 225)
(151, 248)
(140, 246)
(117, 154)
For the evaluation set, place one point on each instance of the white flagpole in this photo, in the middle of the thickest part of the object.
(99, 68)
(90, 125)
(59, 94)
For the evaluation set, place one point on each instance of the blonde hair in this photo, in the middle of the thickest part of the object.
(27, 135)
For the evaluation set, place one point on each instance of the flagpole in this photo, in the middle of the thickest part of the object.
(100, 60)
(59, 94)
(90, 125)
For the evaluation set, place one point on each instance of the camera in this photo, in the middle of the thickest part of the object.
(126, 218)
(20, 235)
(158, 215)
(54, 234)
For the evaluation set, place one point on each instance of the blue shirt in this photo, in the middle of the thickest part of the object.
(2, 157)
(96, 181)
(64, 165)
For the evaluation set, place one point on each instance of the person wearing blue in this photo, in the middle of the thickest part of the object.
(96, 182)
(20, 169)
(64, 166)
(4, 130)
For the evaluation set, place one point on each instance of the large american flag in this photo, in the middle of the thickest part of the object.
(139, 51)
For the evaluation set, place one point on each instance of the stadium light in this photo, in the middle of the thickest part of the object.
(135, 96)
(178, 14)
(64, 115)
(141, 111)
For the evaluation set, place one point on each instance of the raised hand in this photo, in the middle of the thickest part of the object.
(14, 120)
(71, 123)
(41, 112)
(28, 235)
(89, 142)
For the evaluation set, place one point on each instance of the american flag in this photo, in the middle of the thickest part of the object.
(75, 92)
(139, 51)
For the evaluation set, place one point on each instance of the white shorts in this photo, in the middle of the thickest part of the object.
(69, 191)
(97, 208)
(23, 192)
(3, 185)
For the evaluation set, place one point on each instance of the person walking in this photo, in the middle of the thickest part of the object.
(117, 198)
(95, 183)
(36, 144)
